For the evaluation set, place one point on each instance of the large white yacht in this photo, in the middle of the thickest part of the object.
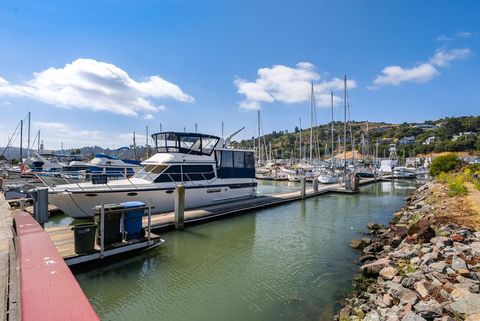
(209, 169)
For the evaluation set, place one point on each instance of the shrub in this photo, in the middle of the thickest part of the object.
(444, 164)
(456, 186)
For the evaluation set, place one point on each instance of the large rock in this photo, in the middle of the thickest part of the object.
(458, 263)
(398, 230)
(372, 316)
(421, 289)
(425, 234)
(375, 267)
(408, 297)
(459, 292)
(358, 244)
(388, 273)
(412, 317)
(439, 240)
(467, 305)
(429, 309)
(375, 226)
(438, 266)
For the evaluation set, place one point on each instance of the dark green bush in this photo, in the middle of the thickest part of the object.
(444, 164)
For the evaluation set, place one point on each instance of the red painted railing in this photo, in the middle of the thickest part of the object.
(49, 291)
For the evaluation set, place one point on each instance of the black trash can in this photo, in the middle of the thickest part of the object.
(84, 237)
(111, 228)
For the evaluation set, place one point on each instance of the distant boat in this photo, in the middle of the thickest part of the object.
(328, 177)
(80, 171)
(404, 172)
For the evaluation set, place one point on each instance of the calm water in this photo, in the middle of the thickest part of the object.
(285, 263)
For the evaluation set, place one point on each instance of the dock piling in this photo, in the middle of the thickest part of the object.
(303, 187)
(315, 184)
(102, 230)
(40, 204)
(149, 225)
(179, 206)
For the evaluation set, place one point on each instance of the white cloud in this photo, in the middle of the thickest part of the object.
(464, 34)
(395, 75)
(457, 35)
(148, 116)
(95, 85)
(442, 57)
(290, 85)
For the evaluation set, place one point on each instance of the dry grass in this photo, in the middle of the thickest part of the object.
(462, 210)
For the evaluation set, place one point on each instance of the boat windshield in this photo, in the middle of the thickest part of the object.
(185, 143)
(150, 171)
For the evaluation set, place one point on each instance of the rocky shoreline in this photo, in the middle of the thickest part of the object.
(418, 268)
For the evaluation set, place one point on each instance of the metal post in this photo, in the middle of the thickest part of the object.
(315, 184)
(149, 226)
(303, 183)
(179, 206)
(102, 230)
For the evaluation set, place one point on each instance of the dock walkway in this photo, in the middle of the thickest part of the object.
(9, 284)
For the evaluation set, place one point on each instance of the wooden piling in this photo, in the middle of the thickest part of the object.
(303, 188)
(315, 184)
(179, 206)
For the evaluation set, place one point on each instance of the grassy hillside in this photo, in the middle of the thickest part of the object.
(443, 130)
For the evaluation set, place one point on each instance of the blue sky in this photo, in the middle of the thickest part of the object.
(117, 66)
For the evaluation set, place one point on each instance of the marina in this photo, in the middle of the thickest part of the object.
(239, 160)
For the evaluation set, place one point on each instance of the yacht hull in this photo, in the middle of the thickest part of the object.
(80, 204)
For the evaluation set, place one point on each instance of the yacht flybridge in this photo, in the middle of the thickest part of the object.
(210, 170)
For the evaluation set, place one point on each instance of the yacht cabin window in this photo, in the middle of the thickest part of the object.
(186, 173)
(235, 159)
(186, 143)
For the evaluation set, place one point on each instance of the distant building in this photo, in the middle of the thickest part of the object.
(430, 140)
(425, 127)
(407, 140)
(463, 134)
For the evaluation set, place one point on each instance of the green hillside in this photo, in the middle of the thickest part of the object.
(459, 134)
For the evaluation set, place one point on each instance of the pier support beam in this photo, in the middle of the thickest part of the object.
(303, 187)
(179, 206)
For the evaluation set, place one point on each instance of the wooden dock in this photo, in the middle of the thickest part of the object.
(9, 281)
(62, 236)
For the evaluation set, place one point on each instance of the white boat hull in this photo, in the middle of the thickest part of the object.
(80, 204)
(327, 179)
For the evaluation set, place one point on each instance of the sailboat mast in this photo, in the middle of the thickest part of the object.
(28, 139)
(345, 123)
(333, 148)
(300, 138)
(311, 124)
(259, 142)
(21, 141)
(134, 147)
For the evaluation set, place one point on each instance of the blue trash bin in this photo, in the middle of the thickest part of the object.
(132, 221)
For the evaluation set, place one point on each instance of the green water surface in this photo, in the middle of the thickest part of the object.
(291, 262)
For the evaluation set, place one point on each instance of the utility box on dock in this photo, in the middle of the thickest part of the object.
(132, 220)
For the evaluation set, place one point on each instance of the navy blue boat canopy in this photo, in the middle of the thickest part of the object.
(185, 143)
